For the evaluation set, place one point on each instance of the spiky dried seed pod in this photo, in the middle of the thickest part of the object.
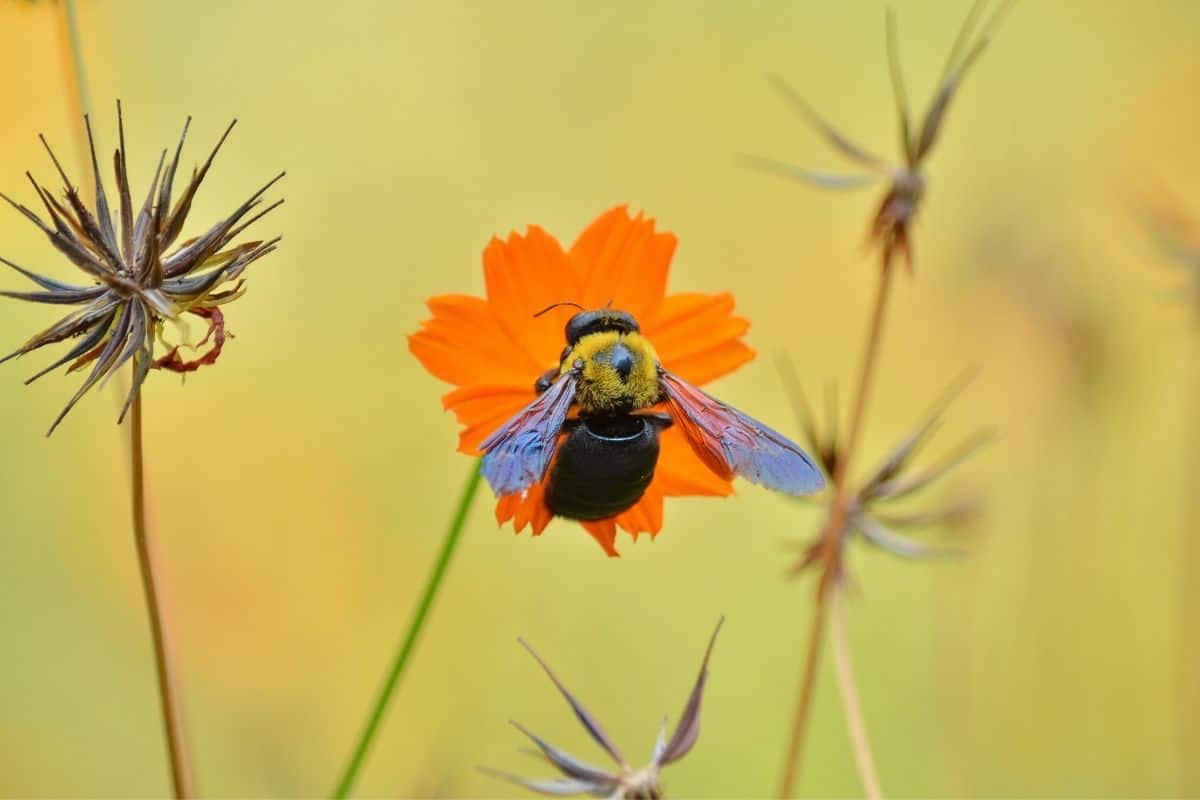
(1177, 235)
(890, 227)
(624, 783)
(136, 281)
(894, 478)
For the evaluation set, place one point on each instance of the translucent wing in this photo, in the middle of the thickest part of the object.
(517, 455)
(732, 443)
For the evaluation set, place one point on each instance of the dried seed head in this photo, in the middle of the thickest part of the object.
(890, 227)
(581, 778)
(868, 511)
(1177, 236)
(136, 276)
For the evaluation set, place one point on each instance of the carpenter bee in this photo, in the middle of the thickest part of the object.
(601, 460)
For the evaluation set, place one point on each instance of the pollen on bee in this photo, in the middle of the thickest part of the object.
(620, 371)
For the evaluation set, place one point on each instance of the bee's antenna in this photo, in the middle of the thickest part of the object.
(553, 306)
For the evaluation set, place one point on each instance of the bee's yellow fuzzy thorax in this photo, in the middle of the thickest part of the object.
(601, 386)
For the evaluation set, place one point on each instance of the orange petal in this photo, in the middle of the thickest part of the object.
(524, 275)
(506, 507)
(604, 531)
(528, 508)
(705, 367)
(463, 343)
(482, 409)
(680, 472)
(644, 516)
(622, 260)
(698, 337)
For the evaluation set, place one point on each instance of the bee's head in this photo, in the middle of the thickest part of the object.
(598, 321)
(620, 369)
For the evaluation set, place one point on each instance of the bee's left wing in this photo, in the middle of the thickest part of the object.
(731, 443)
(516, 456)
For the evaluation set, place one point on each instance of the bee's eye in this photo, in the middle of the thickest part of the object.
(586, 322)
(580, 325)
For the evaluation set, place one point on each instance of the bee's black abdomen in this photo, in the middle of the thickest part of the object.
(603, 467)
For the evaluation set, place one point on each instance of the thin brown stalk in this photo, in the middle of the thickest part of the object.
(855, 723)
(168, 693)
(832, 535)
(70, 53)
(804, 698)
(867, 372)
(1187, 646)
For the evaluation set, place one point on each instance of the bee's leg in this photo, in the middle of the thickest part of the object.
(547, 378)
(570, 424)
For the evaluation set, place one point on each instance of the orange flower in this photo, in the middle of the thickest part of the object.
(493, 348)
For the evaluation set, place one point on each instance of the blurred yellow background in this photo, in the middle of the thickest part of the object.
(300, 488)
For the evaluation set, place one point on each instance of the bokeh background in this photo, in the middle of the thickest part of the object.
(300, 488)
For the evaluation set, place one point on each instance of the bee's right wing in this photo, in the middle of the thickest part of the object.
(517, 455)
(732, 443)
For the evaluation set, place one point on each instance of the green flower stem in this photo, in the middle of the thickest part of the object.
(409, 642)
